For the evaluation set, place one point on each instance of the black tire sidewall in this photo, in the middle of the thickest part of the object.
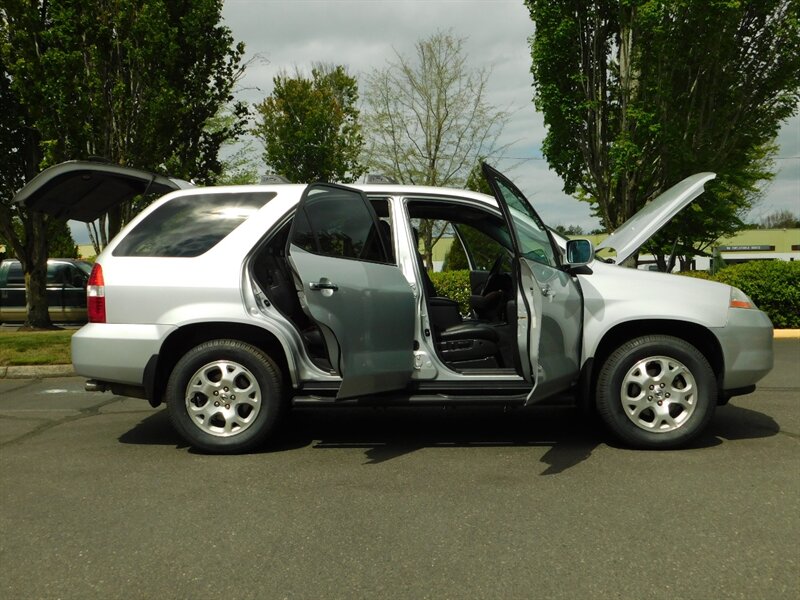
(263, 369)
(617, 365)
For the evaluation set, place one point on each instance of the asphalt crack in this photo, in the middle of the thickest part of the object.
(83, 413)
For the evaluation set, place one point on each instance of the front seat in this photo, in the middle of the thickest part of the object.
(464, 343)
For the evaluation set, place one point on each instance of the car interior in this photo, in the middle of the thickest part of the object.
(484, 337)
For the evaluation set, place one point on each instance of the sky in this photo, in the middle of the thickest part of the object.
(364, 35)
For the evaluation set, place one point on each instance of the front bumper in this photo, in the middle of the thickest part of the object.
(746, 343)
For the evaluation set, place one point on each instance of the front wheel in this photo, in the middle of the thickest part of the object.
(656, 392)
(225, 396)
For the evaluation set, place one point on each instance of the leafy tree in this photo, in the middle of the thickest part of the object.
(239, 159)
(310, 127)
(133, 81)
(638, 94)
(781, 219)
(429, 120)
(568, 230)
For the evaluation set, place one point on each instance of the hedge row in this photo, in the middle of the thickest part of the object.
(773, 285)
(454, 285)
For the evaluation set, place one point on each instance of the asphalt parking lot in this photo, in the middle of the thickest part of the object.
(100, 499)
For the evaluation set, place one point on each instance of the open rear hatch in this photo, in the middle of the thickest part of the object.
(85, 190)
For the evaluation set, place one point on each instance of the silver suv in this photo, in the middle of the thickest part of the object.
(233, 304)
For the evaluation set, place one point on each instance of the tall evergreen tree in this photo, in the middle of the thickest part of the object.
(638, 94)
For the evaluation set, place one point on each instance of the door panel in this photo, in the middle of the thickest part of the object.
(529, 309)
(367, 319)
(361, 301)
(559, 342)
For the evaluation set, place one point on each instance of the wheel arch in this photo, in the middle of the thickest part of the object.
(697, 335)
(187, 337)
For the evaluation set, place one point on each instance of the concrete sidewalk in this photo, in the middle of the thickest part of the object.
(40, 371)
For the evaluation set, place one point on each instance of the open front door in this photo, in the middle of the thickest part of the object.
(549, 303)
(361, 301)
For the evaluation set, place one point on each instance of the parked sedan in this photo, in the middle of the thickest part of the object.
(233, 304)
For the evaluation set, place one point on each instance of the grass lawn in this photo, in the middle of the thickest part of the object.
(35, 348)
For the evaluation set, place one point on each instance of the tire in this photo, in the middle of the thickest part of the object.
(656, 392)
(225, 396)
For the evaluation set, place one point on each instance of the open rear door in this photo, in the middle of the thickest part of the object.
(347, 284)
(85, 190)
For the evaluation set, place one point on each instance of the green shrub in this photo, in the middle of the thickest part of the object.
(453, 285)
(696, 274)
(773, 285)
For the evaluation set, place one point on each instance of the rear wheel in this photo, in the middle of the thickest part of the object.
(225, 396)
(656, 392)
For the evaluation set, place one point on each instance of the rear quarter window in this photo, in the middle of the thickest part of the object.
(190, 225)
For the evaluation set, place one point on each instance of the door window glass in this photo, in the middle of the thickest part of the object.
(533, 238)
(15, 277)
(337, 222)
(481, 249)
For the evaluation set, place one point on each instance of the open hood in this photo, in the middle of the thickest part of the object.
(84, 190)
(629, 237)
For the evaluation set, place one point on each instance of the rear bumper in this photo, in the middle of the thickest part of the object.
(746, 343)
(116, 353)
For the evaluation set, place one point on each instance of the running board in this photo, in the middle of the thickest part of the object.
(414, 400)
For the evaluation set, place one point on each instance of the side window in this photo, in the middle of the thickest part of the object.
(482, 250)
(338, 222)
(58, 274)
(191, 225)
(534, 240)
(16, 278)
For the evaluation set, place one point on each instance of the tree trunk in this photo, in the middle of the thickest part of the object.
(35, 266)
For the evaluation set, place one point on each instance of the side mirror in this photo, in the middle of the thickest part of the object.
(579, 253)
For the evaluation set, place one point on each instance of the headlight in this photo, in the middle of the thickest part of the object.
(740, 300)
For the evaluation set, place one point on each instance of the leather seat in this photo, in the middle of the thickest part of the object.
(468, 341)
(457, 340)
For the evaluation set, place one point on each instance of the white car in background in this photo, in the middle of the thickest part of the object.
(233, 304)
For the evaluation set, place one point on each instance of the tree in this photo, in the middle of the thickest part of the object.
(568, 231)
(428, 119)
(638, 94)
(310, 127)
(781, 219)
(132, 81)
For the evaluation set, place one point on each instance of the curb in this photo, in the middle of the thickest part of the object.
(36, 371)
(40, 371)
(787, 334)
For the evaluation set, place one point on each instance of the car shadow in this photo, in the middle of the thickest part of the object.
(386, 434)
(391, 433)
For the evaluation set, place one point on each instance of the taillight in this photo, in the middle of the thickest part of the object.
(96, 296)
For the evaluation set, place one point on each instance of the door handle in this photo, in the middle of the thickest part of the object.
(323, 285)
